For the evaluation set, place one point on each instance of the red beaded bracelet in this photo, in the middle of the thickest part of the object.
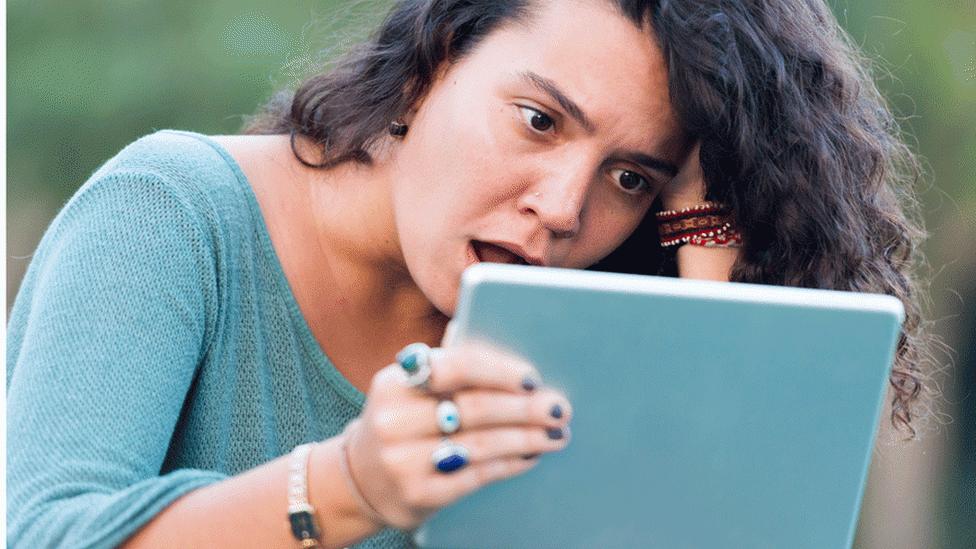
(708, 224)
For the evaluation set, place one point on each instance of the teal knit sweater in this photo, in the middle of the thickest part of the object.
(155, 347)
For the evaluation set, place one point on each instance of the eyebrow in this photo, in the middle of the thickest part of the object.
(651, 163)
(551, 89)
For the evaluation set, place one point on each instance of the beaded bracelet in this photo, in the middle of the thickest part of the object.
(301, 514)
(692, 211)
(708, 224)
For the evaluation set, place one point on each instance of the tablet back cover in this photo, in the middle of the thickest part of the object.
(705, 414)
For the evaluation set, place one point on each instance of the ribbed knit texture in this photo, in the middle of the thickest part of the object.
(155, 347)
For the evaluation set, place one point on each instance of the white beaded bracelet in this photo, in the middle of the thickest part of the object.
(301, 514)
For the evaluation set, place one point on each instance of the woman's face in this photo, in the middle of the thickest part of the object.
(550, 139)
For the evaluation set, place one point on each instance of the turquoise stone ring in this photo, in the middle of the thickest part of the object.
(412, 356)
(415, 361)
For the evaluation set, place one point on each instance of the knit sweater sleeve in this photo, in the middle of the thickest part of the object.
(110, 325)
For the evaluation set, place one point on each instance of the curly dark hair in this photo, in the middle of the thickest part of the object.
(794, 135)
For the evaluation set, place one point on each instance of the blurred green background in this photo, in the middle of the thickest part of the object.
(85, 78)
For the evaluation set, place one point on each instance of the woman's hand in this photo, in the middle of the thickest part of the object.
(687, 188)
(507, 419)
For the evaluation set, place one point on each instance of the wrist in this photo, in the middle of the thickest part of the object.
(702, 263)
(364, 508)
(329, 493)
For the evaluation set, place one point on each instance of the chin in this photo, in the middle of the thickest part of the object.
(443, 294)
(445, 307)
(440, 280)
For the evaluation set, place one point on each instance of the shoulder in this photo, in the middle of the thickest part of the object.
(167, 151)
(264, 162)
(216, 165)
(207, 174)
(180, 158)
(169, 183)
(220, 183)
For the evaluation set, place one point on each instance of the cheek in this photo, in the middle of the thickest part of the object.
(458, 157)
(607, 231)
(444, 196)
(480, 163)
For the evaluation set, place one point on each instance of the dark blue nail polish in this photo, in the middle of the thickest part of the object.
(556, 411)
(529, 384)
(555, 433)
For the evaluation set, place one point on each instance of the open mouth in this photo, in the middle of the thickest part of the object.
(489, 253)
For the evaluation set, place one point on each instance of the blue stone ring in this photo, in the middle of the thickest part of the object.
(415, 361)
(448, 417)
(449, 457)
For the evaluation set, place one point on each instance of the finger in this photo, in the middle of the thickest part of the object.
(477, 365)
(479, 408)
(484, 445)
(443, 490)
(391, 381)
(502, 442)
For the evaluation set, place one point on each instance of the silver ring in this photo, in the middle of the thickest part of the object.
(449, 456)
(415, 361)
(448, 417)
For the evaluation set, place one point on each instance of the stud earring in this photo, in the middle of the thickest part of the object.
(398, 129)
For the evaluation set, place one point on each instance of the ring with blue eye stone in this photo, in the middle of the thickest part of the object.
(449, 457)
(448, 417)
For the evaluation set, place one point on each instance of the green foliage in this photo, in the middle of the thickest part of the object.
(86, 78)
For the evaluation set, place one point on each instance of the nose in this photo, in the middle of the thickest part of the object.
(558, 200)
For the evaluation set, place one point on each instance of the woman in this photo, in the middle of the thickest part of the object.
(204, 306)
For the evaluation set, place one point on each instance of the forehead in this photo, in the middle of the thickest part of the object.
(604, 62)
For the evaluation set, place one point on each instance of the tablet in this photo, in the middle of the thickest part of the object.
(706, 414)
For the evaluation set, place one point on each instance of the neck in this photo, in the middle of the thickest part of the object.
(356, 238)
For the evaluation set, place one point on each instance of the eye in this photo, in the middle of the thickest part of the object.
(540, 121)
(631, 182)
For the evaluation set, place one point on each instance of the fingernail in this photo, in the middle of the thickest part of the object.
(556, 411)
(530, 456)
(554, 433)
(529, 384)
